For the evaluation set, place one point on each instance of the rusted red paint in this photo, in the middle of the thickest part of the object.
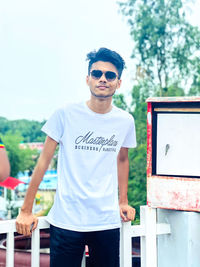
(149, 139)
(173, 193)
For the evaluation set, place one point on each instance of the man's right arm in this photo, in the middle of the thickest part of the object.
(4, 163)
(25, 218)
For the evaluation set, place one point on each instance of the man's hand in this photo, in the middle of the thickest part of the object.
(26, 223)
(127, 213)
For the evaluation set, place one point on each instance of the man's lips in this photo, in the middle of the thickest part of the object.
(102, 86)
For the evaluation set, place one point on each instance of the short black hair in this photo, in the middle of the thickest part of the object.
(106, 55)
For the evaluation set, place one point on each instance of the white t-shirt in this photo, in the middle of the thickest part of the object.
(87, 192)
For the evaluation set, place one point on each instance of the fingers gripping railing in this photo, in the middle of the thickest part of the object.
(8, 227)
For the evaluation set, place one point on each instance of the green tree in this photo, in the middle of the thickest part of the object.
(14, 153)
(120, 102)
(166, 46)
(195, 87)
(29, 130)
(20, 159)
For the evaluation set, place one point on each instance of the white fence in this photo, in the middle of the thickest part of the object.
(147, 230)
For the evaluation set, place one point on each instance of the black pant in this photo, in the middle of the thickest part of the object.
(67, 247)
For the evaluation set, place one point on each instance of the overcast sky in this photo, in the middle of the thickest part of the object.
(43, 47)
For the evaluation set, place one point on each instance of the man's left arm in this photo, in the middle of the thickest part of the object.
(127, 213)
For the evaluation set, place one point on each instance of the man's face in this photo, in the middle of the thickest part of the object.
(102, 87)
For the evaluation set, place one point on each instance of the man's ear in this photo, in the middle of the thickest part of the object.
(119, 84)
(87, 79)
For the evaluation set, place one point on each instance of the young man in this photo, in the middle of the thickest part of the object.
(93, 138)
(4, 163)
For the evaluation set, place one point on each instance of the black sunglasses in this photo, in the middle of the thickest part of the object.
(110, 75)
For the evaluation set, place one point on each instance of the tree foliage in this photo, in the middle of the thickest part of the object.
(166, 47)
(29, 130)
(20, 159)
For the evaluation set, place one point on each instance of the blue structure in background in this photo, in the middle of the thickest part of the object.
(49, 181)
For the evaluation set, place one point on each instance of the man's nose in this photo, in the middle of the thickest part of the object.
(103, 78)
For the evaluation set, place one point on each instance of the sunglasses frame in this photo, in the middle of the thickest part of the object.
(103, 72)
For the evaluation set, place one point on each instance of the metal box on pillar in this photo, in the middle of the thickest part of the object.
(173, 153)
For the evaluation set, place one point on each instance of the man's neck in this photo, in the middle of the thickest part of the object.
(100, 105)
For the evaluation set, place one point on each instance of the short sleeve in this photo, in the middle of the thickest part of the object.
(54, 127)
(130, 139)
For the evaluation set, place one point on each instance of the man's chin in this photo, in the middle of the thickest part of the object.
(101, 95)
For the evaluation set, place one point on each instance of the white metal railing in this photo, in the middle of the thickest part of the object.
(147, 230)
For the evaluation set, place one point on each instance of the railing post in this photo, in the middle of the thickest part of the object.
(83, 264)
(149, 241)
(125, 245)
(10, 250)
(35, 248)
(143, 238)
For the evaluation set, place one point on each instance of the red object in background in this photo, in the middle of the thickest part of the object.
(11, 183)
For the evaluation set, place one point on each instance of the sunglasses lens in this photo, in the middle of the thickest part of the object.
(96, 74)
(110, 75)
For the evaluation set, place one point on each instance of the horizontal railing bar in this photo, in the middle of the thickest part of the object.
(161, 229)
(8, 226)
(137, 230)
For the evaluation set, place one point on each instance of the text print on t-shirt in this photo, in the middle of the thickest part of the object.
(87, 142)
